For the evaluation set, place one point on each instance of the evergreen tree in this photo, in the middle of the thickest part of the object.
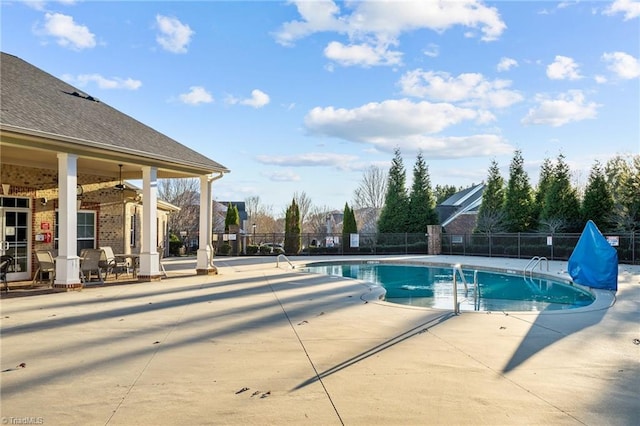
(561, 205)
(598, 201)
(394, 214)
(491, 213)
(422, 208)
(232, 218)
(518, 203)
(292, 226)
(623, 182)
(349, 225)
(442, 192)
(544, 183)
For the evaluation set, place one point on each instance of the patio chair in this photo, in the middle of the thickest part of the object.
(112, 264)
(6, 263)
(90, 265)
(46, 265)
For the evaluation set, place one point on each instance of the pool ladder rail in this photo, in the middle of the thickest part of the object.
(285, 258)
(457, 270)
(533, 262)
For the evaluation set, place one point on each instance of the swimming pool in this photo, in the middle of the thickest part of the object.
(432, 286)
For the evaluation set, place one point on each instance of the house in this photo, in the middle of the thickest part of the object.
(64, 156)
(458, 214)
(220, 214)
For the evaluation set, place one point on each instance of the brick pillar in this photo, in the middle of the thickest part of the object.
(434, 233)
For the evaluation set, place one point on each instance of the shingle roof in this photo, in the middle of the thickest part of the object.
(34, 100)
(465, 196)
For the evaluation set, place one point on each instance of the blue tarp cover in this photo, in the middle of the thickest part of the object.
(594, 262)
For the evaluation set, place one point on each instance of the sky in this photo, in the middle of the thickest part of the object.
(304, 96)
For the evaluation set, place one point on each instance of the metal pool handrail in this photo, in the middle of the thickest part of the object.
(456, 306)
(535, 261)
(285, 258)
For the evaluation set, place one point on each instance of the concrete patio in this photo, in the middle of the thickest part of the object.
(262, 345)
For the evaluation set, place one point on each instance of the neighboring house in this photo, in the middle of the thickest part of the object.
(458, 214)
(220, 210)
(63, 156)
(334, 221)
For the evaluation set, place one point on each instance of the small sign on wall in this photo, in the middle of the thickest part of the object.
(45, 226)
(549, 240)
(614, 241)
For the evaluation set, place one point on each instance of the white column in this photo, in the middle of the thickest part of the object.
(205, 250)
(149, 258)
(67, 262)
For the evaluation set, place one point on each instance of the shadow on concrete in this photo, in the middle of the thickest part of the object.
(550, 328)
(435, 319)
(147, 339)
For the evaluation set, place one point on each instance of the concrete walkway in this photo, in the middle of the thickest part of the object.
(261, 345)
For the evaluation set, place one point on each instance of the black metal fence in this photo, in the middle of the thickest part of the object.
(335, 244)
(525, 245)
(521, 245)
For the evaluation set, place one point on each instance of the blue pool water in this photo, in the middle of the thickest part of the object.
(429, 286)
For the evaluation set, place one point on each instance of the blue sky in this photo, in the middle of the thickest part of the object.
(305, 95)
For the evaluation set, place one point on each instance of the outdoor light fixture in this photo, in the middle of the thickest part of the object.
(120, 186)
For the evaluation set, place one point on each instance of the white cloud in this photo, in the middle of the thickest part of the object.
(197, 95)
(622, 64)
(372, 27)
(388, 119)
(630, 9)
(258, 99)
(310, 159)
(36, 4)
(41, 4)
(600, 79)
(471, 89)
(566, 108)
(506, 64)
(67, 32)
(362, 54)
(103, 82)
(317, 16)
(405, 124)
(174, 36)
(432, 50)
(563, 68)
(483, 145)
(282, 176)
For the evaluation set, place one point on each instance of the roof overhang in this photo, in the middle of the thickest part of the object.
(30, 148)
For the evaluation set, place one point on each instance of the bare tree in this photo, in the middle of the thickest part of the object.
(552, 225)
(317, 220)
(367, 219)
(368, 198)
(183, 193)
(252, 207)
(304, 204)
(491, 222)
(260, 215)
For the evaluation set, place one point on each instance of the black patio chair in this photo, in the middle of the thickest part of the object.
(6, 263)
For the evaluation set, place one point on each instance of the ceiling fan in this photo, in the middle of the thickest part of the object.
(120, 186)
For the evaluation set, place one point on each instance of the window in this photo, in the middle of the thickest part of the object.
(86, 230)
(132, 231)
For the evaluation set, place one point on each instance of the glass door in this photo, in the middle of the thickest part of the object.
(15, 228)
